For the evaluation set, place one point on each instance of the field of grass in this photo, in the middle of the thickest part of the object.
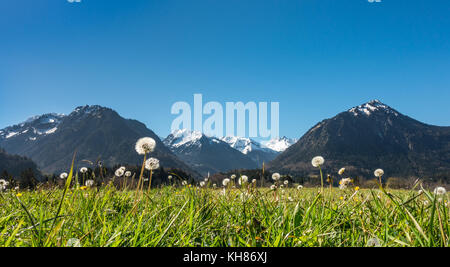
(191, 216)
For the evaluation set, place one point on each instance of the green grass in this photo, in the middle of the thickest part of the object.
(187, 216)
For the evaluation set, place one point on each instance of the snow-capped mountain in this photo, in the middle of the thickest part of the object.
(206, 154)
(280, 144)
(244, 145)
(33, 128)
(94, 132)
(186, 138)
(369, 108)
(370, 136)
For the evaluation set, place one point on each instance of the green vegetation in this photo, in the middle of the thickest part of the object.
(191, 216)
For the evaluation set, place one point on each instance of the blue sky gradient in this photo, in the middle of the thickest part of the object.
(317, 58)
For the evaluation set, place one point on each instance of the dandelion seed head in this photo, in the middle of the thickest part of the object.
(90, 183)
(243, 180)
(344, 183)
(73, 242)
(300, 187)
(119, 172)
(317, 161)
(373, 242)
(128, 174)
(341, 171)
(145, 145)
(276, 176)
(225, 182)
(254, 181)
(233, 177)
(63, 175)
(286, 182)
(83, 170)
(184, 183)
(378, 173)
(273, 187)
(152, 164)
(440, 191)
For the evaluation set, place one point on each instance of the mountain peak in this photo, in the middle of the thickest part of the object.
(371, 107)
(182, 137)
(89, 109)
(243, 144)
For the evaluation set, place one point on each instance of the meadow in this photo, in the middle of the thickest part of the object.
(186, 216)
(236, 213)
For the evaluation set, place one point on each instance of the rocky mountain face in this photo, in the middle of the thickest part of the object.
(93, 132)
(207, 154)
(370, 136)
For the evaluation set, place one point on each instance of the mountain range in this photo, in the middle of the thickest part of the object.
(206, 154)
(370, 136)
(366, 137)
(100, 134)
(211, 154)
(95, 133)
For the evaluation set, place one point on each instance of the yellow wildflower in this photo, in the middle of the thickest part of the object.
(19, 195)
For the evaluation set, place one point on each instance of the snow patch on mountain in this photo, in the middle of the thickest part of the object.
(187, 138)
(34, 127)
(369, 108)
(280, 144)
(243, 144)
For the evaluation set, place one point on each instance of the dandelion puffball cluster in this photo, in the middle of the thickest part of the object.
(276, 176)
(119, 172)
(317, 161)
(63, 175)
(243, 180)
(440, 191)
(3, 185)
(152, 164)
(89, 183)
(225, 182)
(378, 173)
(344, 183)
(145, 145)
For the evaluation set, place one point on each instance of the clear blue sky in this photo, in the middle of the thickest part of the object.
(317, 58)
